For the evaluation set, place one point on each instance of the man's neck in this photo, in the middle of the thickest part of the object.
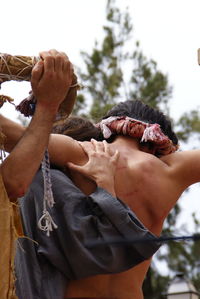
(126, 142)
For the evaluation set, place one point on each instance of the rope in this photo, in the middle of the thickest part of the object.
(18, 73)
(19, 68)
(125, 242)
(46, 222)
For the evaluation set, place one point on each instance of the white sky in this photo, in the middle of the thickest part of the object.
(168, 31)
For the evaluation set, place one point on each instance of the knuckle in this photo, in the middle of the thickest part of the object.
(67, 63)
(49, 59)
(59, 56)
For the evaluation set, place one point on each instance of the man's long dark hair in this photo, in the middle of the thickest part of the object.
(78, 128)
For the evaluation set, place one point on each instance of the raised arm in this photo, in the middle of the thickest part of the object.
(184, 167)
(51, 79)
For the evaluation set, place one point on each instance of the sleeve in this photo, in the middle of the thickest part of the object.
(81, 218)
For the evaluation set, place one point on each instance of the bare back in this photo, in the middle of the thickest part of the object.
(143, 182)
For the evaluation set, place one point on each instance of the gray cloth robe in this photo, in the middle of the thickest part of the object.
(45, 265)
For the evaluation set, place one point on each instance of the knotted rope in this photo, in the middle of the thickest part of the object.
(19, 68)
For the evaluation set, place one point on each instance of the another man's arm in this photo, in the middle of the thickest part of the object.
(51, 79)
(101, 164)
(184, 167)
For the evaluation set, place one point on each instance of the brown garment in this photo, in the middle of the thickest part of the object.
(9, 231)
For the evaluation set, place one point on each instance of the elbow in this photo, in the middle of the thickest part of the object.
(15, 193)
(15, 189)
(15, 184)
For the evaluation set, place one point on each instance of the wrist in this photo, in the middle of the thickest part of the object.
(48, 111)
(107, 184)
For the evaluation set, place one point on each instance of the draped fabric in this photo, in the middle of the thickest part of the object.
(44, 266)
(10, 229)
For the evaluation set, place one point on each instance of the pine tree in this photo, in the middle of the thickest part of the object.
(115, 72)
(105, 80)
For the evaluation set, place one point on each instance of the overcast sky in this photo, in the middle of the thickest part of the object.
(168, 31)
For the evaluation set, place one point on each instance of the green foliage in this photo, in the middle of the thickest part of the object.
(155, 285)
(189, 123)
(80, 105)
(114, 71)
(194, 262)
(148, 83)
(171, 219)
(105, 80)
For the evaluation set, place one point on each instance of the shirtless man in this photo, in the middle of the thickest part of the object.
(142, 181)
(145, 172)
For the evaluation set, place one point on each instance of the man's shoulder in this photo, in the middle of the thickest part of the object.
(184, 166)
(148, 161)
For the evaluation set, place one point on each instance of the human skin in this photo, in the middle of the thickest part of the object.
(143, 182)
(50, 80)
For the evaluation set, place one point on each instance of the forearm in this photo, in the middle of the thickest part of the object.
(21, 165)
(51, 79)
